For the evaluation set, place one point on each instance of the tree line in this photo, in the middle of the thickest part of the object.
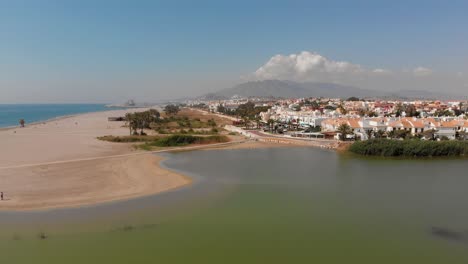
(144, 120)
(409, 148)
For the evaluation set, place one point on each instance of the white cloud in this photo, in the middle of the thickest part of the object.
(382, 71)
(307, 66)
(313, 67)
(421, 71)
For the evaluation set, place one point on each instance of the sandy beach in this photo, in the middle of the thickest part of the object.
(60, 163)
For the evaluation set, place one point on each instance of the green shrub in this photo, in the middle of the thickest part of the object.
(183, 140)
(128, 139)
(409, 148)
(162, 131)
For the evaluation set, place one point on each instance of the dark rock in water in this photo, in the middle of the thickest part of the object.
(128, 228)
(42, 236)
(125, 228)
(148, 226)
(452, 235)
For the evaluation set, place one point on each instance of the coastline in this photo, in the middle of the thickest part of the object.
(139, 174)
(36, 172)
(122, 181)
(60, 163)
(54, 119)
(60, 117)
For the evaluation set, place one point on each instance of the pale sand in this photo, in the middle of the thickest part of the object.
(86, 183)
(251, 144)
(61, 164)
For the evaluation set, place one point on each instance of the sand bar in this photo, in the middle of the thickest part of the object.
(60, 163)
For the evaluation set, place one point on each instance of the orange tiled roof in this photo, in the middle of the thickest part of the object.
(354, 123)
(406, 123)
(395, 124)
(416, 123)
(453, 123)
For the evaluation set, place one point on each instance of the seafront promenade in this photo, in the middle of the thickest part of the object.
(277, 139)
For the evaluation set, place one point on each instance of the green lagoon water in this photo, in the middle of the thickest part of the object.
(281, 205)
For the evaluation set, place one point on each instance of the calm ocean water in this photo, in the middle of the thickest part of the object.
(10, 114)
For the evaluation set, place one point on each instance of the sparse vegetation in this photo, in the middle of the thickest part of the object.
(247, 111)
(167, 141)
(183, 140)
(174, 121)
(129, 139)
(171, 109)
(186, 123)
(141, 120)
(179, 129)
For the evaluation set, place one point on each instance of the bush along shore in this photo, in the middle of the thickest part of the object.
(409, 148)
(150, 142)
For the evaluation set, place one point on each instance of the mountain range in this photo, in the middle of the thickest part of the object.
(291, 89)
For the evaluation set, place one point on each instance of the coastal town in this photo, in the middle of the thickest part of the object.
(350, 119)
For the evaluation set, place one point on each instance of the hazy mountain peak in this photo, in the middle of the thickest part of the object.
(293, 89)
(287, 89)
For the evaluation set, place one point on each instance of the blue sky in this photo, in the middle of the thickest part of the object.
(95, 51)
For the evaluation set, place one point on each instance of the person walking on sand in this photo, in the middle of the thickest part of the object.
(1, 196)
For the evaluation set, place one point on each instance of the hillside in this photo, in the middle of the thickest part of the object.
(291, 89)
(285, 89)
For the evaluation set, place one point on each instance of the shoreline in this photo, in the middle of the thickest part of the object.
(173, 180)
(36, 169)
(59, 118)
(176, 182)
(60, 163)
(54, 119)
(156, 168)
(78, 170)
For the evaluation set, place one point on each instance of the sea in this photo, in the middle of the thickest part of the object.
(10, 114)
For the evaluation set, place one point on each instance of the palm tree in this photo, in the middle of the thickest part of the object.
(461, 135)
(369, 133)
(132, 121)
(270, 123)
(144, 121)
(257, 121)
(128, 121)
(429, 134)
(246, 122)
(379, 134)
(344, 130)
